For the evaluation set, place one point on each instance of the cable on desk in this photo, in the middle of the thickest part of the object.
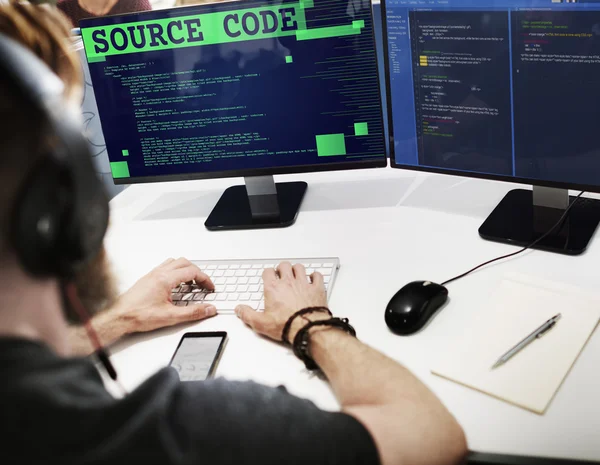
(539, 239)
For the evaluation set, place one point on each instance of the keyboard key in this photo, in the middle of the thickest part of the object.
(210, 297)
(231, 280)
(199, 296)
(326, 279)
(309, 271)
(176, 297)
(242, 288)
(251, 273)
(256, 296)
(185, 288)
(253, 288)
(243, 280)
(189, 296)
(316, 265)
(327, 265)
(220, 281)
(181, 303)
(245, 296)
(223, 267)
(175, 289)
(230, 273)
(234, 267)
(211, 267)
(218, 273)
(240, 273)
(233, 296)
(246, 267)
(325, 271)
(230, 288)
(221, 297)
(254, 280)
(257, 267)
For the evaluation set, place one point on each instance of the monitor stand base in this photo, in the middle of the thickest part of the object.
(523, 216)
(259, 204)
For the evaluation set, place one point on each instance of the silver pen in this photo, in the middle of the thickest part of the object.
(547, 326)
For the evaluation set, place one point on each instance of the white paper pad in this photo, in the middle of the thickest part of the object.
(519, 306)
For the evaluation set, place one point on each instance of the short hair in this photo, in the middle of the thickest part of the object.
(23, 137)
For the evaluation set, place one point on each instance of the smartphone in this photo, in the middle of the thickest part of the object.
(198, 354)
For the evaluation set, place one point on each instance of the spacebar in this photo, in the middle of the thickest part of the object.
(228, 307)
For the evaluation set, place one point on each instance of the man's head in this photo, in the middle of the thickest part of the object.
(24, 138)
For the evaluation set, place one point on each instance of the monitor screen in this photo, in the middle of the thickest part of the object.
(507, 89)
(237, 88)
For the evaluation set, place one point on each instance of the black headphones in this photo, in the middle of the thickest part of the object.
(61, 212)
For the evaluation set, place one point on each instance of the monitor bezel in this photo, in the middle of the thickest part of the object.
(380, 162)
(454, 172)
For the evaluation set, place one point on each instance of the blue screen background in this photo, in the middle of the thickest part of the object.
(527, 107)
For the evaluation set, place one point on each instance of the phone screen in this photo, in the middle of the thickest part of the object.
(197, 354)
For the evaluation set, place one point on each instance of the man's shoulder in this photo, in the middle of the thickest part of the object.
(64, 404)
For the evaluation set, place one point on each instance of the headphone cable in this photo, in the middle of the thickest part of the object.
(100, 351)
(533, 244)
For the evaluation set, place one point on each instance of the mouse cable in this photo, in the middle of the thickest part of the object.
(539, 239)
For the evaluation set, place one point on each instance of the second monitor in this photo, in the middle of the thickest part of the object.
(247, 89)
(506, 90)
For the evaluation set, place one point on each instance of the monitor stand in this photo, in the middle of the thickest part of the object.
(523, 216)
(258, 204)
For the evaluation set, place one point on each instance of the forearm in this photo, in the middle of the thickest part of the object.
(107, 324)
(408, 422)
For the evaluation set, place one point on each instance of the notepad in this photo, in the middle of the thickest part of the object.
(520, 305)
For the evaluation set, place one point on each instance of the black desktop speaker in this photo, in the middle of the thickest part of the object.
(61, 212)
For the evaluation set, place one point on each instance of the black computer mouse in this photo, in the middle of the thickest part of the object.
(413, 306)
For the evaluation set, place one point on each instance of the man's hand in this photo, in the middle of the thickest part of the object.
(286, 292)
(147, 306)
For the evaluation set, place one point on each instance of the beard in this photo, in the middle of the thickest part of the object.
(95, 287)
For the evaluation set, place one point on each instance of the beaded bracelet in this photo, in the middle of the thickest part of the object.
(288, 325)
(301, 341)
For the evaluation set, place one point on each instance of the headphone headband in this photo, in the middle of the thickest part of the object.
(61, 213)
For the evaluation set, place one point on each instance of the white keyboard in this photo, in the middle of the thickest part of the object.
(239, 282)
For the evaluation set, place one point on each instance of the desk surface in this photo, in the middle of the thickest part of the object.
(388, 227)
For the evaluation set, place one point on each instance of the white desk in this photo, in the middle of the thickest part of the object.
(388, 227)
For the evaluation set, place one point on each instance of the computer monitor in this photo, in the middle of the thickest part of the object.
(506, 90)
(242, 88)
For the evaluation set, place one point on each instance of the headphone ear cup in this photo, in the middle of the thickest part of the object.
(38, 218)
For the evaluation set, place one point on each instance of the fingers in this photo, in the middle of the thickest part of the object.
(269, 276)
(251, 317)
(189, 273)
(192, 312)
(317, 279)
(166, 262)
(299, 270)
(285, 270)
(179, 263)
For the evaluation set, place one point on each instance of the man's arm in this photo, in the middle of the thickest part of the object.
(408, 423)
(146, 306)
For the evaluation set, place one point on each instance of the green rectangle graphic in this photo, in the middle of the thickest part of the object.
(289, 59)
(120, 169)
(125, 153)
(361, 129)
(325, 32)
(329, 145)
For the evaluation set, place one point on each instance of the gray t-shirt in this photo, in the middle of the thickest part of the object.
(56, 410)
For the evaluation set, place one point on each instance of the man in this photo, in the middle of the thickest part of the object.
(55, 408)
